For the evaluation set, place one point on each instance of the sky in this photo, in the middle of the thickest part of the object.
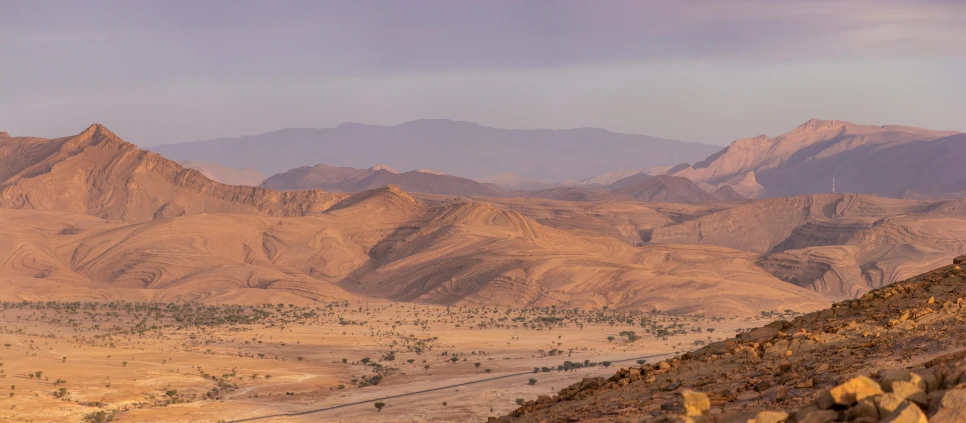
(713, 71)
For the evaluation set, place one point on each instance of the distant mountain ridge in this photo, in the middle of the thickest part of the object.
(889, 160)
(453, 147)
(245, 177)
(349, 179)
(92, 217)
(641, 187)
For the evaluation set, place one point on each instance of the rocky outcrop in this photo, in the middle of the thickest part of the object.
(822, 367)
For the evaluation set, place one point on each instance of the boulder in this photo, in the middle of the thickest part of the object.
(906, 413)
(864, 410)
(889, 376)
(911, 392)
(696, 403)
(819, 416)
(775, 393)
(854, 390)
(951, 408)
(748, 396)
(888, 403)
(931, 380)
(771, 417)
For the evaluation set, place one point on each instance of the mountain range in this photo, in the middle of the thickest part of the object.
(890, 160)
(456, 148)
(98, 174)
(818, 156)
(93, 216)
(349, 179)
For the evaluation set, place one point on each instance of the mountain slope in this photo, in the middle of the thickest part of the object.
(93, 217)
(430, 183)
(882, 160)
(841, 245)
(245, 177)
(512, 181)
(671, 189)
(634, 179)
(348, 179)
(97, 173)
(478, 254)
(457, 148)
(378, 243)
(617, 175)
(324, 177)
(912, 331)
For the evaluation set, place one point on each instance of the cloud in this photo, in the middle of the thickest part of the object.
(318, 40)
(170, 70)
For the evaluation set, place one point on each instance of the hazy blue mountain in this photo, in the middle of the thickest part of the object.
(456, 148)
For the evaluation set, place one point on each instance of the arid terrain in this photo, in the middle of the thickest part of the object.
(137, 289)
(425, 211)
(888, 160)
(459, 148)
(135, 226)
(895, 354)
(188, 362)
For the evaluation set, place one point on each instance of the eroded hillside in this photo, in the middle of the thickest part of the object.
(92, 216)
(801, 370)
(97, 173)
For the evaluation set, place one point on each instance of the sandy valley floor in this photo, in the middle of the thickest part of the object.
(192, 362)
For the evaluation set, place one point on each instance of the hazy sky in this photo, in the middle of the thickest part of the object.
(712, 70)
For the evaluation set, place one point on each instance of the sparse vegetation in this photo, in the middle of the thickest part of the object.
(186, 335)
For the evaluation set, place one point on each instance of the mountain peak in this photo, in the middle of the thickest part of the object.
(143, 186)
(752, 143)
(430, 171)
(383, 167)
(434, 123)
(818, 125)
(98, 129)
(390, 197)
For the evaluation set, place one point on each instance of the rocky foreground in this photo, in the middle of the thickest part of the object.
(894, 355)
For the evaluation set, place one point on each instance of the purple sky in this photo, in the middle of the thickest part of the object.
(712, 71)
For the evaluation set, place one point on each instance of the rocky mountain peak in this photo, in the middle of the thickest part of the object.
(818, 125)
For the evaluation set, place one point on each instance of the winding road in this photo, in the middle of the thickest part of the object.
(408, 394)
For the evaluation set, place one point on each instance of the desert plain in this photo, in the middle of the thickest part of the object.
(93, 362)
